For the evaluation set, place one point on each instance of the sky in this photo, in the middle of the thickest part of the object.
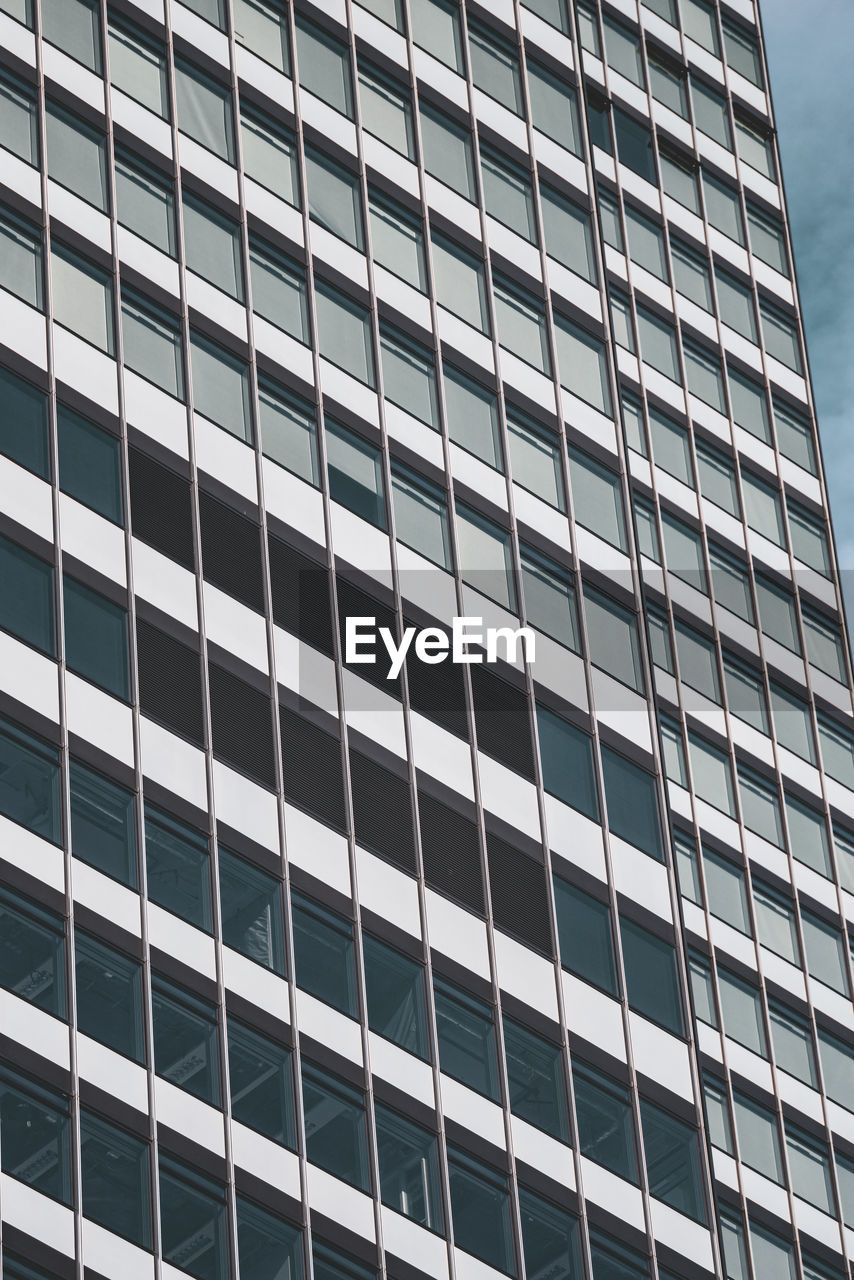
(810, 47)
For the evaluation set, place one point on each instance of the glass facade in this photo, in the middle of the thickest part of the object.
(409, 310)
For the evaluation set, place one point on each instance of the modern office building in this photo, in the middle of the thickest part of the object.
(411, 311)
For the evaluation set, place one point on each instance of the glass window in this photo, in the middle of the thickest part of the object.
(824, 645)
(762, 508)
(269, 157)
(837, 751)
(613, 639)
(82, 297)
(355, 474)
(758, 1139)
(459, 282)
(668, 86)
(398, 242)
(472, 415)
(584, 934)
(825, 952)
(705, 379)
(597, 499)
(521, 322)
(344, 332)
(735, 304)
(115, 1177)
(658, 344)
(193, 1222)
(772, 1257)
(102, 824)
(26, 596)
(646, 243)
(717, 1116)
(760, 807)
(745, 695)
(408, 1158)
(749, 406)
(702, 991)
(553, 107)
(712, 776)
(659, 638)
(605, 1130)
(336, 1132)
(30, 782)
(710, 114)
(178, 868)
(742, 54)
(550, 1239)
(18, 120)
(549, 599)
(387, 10)
(535, 459)
(324, 66)
(186, 1043)
(566, 758)
(23, 424)
(634, 145)
(288, 433)
(436, 28)
(843, 843)
(632, 803)
(673, 1161)
(741, 1006)
(613, 1261)
(673, 750)
(651, 979)
(623, 50)
(536, 1081)
(212, 246)
(777, 614)
(566, 229)
(485, 558)
(507, 194)
(144, 203)
(267, 1247)
(21, 260)
(220, 387)
(717, 479)
(395, 995)
(684, 552)
(755, 147)
(775, 923)
(96, 638)
(670, 446)
(679, 181)
(723, 208)
(768, 241)
(621, 321)
(261, 1081)
(152, 345)
(333, 197)
(447, 152)
(278, 290)
(32, 953)
(263, 27)
(837, 1067)
(583, 366)
(324, 955)
(727, 895)
(589, 30)
(792, 1042)
(480, 1205)
(691, 275)
(793, 723)
(251, 912)
(598, 121)
(409, 378)
(73, 26)
(386, 112)
(204, 110)
(421, 516)
(551, 11)
(36, 1149)
(210, 10)
(466, 1035)
(138, 68)
(495, 68)
(698, 22)
(809, 540)
(109, 996)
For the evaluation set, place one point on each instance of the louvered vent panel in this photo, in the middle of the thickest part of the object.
(501, 717)
(161, 510)
(437, 690)
(311, 766)
(170, 682)
(300, 590)
(451, 854)
(356, 603)
(517, 885)
(231, 551)
(241, 725)
(382, 813)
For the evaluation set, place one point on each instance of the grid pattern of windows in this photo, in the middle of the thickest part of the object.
(405, 309)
